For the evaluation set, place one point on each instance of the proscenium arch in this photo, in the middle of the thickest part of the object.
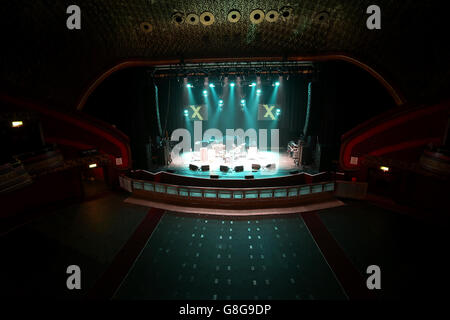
(395, 93)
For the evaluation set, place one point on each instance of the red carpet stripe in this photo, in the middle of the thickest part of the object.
(348, 276)
(110, 281)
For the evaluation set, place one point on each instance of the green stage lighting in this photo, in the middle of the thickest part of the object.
(277, 83)
(211, 85)
(232, 84)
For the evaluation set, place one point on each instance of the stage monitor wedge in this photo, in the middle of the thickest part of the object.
(238, 168)
(271, 166)
(214, 176)
(224, 168)
(256, 166)
(249, 177)
(205, 168)
(193, 167)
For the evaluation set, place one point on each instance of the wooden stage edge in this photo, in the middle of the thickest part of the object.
(240, 212)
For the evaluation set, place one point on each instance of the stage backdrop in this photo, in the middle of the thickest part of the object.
(225, 108)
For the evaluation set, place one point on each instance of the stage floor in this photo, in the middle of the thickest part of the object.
(284, 165)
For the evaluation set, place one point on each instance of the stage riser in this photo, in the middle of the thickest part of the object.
(180, 180)
(234, 203)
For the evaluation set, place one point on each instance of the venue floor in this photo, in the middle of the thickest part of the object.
(127, 251)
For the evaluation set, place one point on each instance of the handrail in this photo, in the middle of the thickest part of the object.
(227, 193)
(230, 189)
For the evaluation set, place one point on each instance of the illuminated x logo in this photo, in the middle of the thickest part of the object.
(196, 113)
(269, 111)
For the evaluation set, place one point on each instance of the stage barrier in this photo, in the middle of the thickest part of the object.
(209, 193)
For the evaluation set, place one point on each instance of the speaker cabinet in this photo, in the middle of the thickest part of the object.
(193, 167)
(205, 168)
(307, 155)
(224, 168)
(249, 177)
(239, 168)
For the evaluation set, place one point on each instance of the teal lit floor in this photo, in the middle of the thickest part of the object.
(190, 257)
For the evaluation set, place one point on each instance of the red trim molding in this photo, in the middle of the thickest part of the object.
(381, 124)
(405, 145)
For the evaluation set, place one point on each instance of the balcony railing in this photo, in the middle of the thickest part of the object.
(209, 193)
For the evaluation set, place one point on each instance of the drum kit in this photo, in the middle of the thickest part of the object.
(210, 151)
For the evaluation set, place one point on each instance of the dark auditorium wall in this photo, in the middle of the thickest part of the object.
(126, 100)
(343, 96)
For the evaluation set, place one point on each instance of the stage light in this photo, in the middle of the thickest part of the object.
(92, 165)
(243, 101)
(384, 169)
(189, 85)
(277, 83)
(205, 93)
(16, 124)
(186, 112)
(232, 84)
(211, 85)
(258, 91)
(278, 111)
(220, 101)
(253, 84)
